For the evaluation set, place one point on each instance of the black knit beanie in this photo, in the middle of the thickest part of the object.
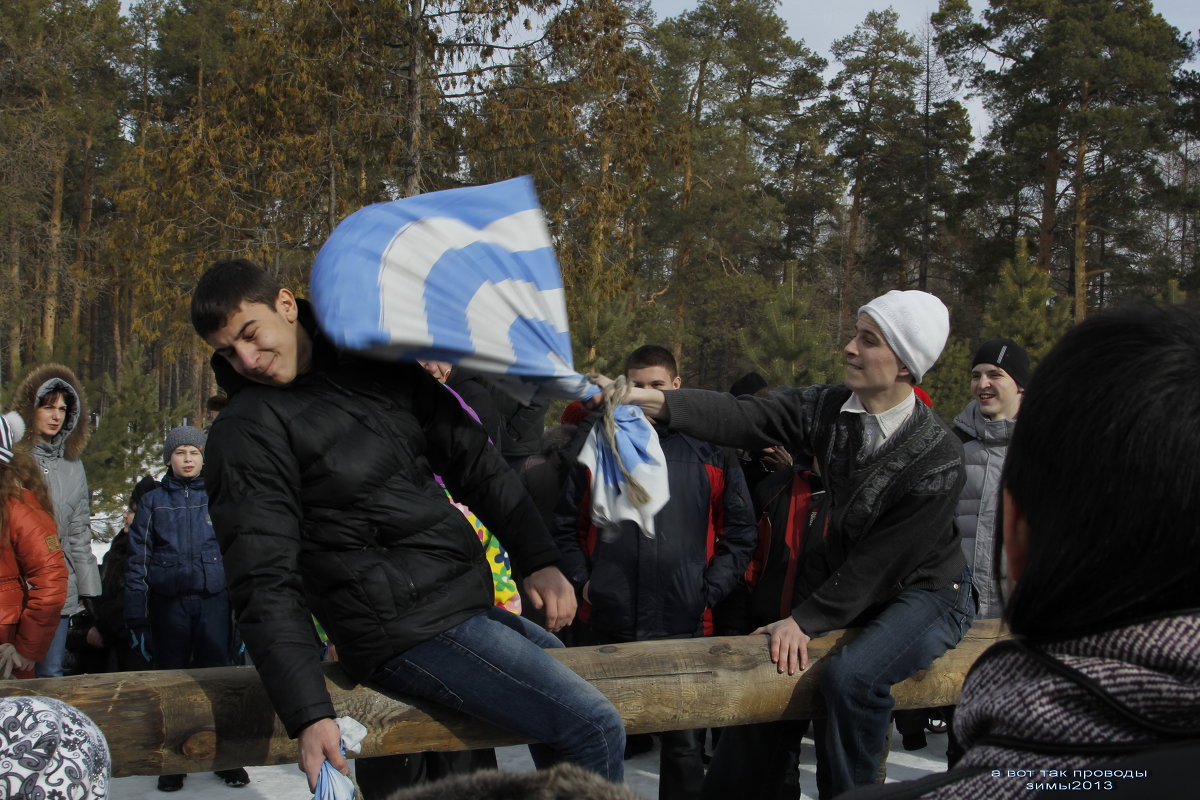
(144, 485)
(1006, 354)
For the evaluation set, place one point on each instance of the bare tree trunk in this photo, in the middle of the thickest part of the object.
(1049, 218)
(1079, 262)
(50, 302)
(221, 717)
(13, 339)
(82, 230)
(414, 124)
(850, 256)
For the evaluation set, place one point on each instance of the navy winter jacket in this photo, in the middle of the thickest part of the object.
(172, 548)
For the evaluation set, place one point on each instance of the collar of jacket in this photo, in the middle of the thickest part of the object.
(52, 448)
(174, 482)
(988, 431)
(324, 355)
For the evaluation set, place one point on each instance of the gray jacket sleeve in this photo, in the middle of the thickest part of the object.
(783, 417)
(78, 544)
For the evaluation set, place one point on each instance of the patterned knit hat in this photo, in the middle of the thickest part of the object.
(51, 749)
(6, 442)
(183, 435)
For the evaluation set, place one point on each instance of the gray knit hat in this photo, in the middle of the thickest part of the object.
(178, 437)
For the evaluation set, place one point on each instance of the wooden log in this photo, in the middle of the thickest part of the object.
(174, 721)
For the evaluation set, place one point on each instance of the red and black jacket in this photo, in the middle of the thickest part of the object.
(663, 587)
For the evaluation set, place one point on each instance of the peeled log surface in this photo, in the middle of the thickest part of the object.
(174, 721)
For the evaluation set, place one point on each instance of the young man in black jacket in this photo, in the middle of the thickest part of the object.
(641, 588)
(322, 495)
(890, 559)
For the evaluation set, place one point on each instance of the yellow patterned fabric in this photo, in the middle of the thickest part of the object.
(506, 595)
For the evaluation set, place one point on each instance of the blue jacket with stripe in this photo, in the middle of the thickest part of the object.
(172, 548)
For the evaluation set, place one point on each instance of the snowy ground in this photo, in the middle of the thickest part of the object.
(641, 774)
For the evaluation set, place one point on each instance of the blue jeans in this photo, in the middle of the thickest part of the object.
(494, 667)
(916, 627)
(52, 665)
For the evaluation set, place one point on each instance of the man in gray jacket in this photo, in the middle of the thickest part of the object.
(985, 426)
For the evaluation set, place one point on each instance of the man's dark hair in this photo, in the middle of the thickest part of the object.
(1105, 464)
(652, 355)
(226, 285)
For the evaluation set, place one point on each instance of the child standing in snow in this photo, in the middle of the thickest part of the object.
(176, 603)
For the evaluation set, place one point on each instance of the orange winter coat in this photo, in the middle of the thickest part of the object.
(33, 579)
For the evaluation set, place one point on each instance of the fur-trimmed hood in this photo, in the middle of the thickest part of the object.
(37, 384)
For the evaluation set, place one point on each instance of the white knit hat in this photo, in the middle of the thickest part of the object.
(915, 325)
(16, 424)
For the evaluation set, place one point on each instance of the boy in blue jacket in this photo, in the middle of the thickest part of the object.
(176, 602)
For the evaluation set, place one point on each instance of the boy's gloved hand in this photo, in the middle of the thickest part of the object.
(143, 641)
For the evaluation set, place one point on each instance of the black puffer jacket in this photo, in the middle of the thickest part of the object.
(323, 498)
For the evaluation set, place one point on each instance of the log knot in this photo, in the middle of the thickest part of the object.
(200, 745)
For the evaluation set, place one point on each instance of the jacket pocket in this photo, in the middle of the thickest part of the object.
(10, 613)
(167, 576)
(213, 566)
(369, 582)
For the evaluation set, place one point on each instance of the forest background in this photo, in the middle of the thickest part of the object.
(712, 184)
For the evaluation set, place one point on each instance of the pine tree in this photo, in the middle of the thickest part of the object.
(948, 383)
(130, 430)
(1023, 307)
(792, 344)
(1081, 96)
(732, 87)
(871, 108)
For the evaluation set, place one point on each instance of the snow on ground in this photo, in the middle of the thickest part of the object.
(286, 782)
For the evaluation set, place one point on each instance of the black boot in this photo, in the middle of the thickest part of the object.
(233, 777)
(170, 783)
